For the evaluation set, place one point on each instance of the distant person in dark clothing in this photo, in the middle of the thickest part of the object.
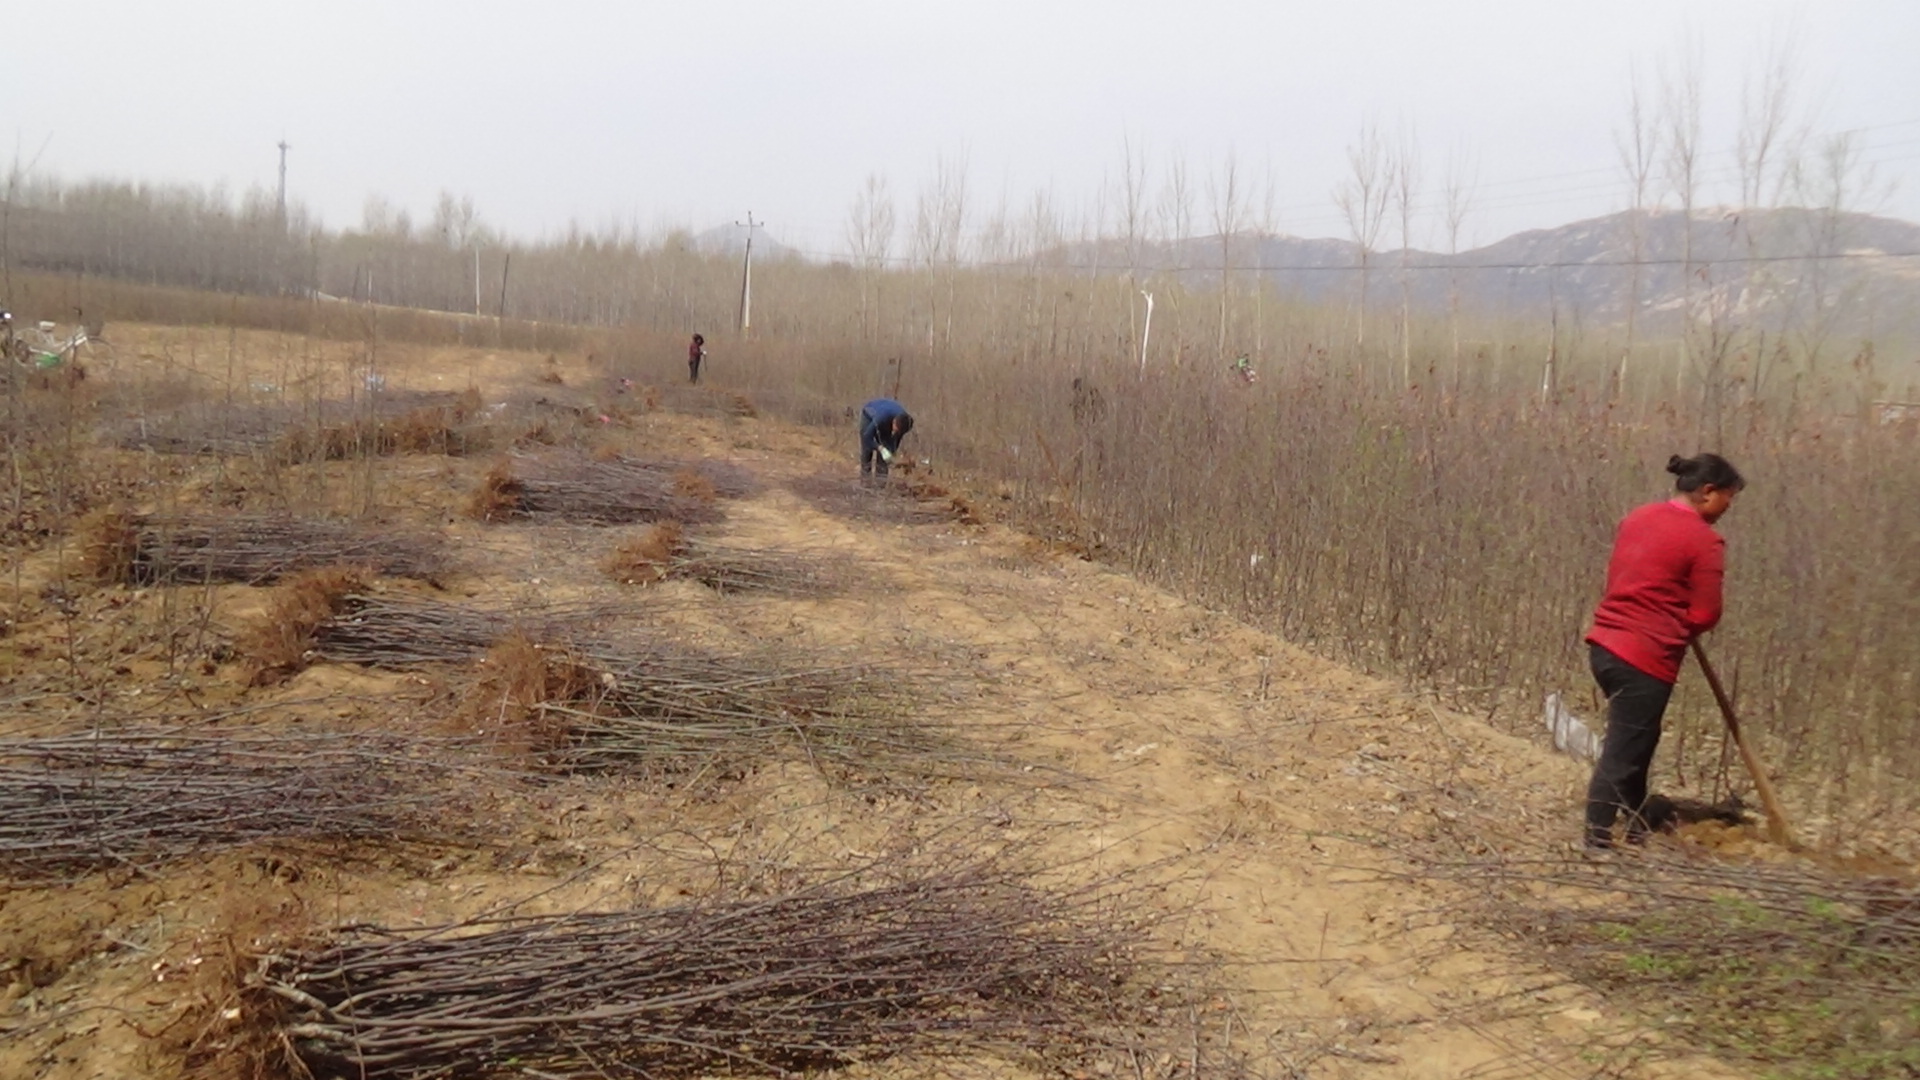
(883, 423)
(1089, 404)
(696, 352)
(1663, 590)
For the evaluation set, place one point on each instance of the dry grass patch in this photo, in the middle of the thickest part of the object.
(701, 401)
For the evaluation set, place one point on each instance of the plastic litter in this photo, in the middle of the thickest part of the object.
(1570, 735)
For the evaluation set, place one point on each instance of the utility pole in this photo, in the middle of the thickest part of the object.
(282, 203)
(1146, 331)
(746, 276)
(282, 255)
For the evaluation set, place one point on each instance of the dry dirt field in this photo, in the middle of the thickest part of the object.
(1277, 819)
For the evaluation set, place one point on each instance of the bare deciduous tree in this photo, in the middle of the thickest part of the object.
(1680, 93)
(1767, 122)
(1834, 184)
(1458, 192)
(1176, 205)
(1226, 202)
(1362, 198)
(1404, 172)
(456, 222)
(379, 217)
(1267, 225)
(1044, 234)
(1134, 225)
(870, 226)
(1637, 146)
(1771, 135)
(940, 215)
(1176, 228)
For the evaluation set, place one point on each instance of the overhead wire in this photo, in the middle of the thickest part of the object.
(1707, 175)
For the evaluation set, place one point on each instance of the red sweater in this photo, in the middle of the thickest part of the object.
(1663, 587)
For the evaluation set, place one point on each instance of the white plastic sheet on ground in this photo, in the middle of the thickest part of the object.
(1570, 735)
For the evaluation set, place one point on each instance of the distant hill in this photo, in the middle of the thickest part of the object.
(1747, 264)
(732, 240)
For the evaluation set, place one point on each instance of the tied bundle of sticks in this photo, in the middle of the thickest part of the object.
(336, 614)
(665, 552)
(450, 427)
(971, 957)
(133, 798)
(605, 490)
(250, 549)
(211, 429)
(902, 501)
(657, 707)
(402, 631)
(386, 422)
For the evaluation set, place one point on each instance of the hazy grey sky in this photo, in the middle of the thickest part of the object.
(694, 113)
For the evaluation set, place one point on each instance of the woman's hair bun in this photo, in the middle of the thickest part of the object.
(1700, 469)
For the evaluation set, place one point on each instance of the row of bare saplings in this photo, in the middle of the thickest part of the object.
(911, 955)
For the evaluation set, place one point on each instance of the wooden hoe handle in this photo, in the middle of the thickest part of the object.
(1777, 829)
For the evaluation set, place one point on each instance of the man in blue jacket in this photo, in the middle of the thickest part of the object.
(883, 423)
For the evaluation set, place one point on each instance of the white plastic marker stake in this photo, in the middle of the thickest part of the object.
(1570, 736)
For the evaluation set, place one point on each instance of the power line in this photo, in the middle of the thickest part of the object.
(1310, 214)
(1708, 172)
(1390, 268)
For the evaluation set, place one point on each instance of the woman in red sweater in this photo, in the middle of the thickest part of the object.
(1663, 590)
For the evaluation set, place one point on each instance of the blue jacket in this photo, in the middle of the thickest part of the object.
(875, 414)
(883, 409)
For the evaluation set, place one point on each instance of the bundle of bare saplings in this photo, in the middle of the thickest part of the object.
(384, 422)
(252, 549)
(665, 552)
(931, 963)
(339, 614)
(136, 797)
(455, 428)
(663, 708)
(606, 489)
(903, 501)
